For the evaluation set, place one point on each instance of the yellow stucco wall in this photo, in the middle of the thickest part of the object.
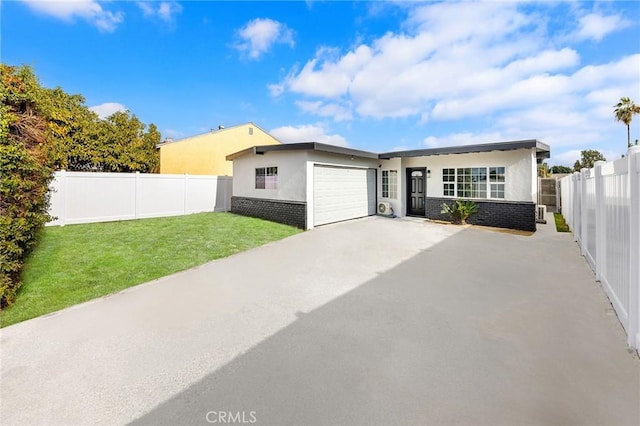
(205, 154)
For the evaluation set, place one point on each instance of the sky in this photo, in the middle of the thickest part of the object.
(377, 76)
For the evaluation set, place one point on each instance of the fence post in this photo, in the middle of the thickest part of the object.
(558, 196)
(600, 220)
(583, 211)
(576, 205)
(186, 188)
(62, 187)
(136, 195)
(220, 189)
(633, 157)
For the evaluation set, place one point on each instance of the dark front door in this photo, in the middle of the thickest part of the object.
(415, 192)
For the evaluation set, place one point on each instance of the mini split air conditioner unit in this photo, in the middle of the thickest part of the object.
(541, 213)
(384, 208)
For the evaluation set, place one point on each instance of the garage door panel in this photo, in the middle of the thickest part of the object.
(341, 193)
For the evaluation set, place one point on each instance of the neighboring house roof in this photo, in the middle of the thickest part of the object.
(304, 146)
(542, 149)
(215, 131)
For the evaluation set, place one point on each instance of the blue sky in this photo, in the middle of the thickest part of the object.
(369, 75)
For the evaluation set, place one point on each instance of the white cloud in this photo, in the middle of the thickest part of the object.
(516, 76)
(307, 133)
(165, 10)
(275, 90)
(595, 26)
(463, 138)
(89, 10)
(337, 112)
(260, 35)
(567, 158)
(444, 53)
(106, 109)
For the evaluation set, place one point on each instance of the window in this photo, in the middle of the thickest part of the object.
(471, 182)
(449, 182)
(390, 184)
(267, 178)
(250, 130)
(496, 180)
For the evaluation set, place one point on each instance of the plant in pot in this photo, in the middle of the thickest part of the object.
(460, 211)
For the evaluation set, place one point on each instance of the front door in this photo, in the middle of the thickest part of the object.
(416, 192)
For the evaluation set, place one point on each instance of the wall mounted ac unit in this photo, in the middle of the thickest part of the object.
(541, 213)
(384, 208)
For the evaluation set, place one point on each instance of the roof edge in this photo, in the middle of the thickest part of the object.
(542, 149)
(214, 131)
(467, 149)
(304, 146)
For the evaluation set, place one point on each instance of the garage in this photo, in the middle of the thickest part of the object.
(342, 193)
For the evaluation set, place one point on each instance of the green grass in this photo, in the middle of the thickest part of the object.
(561, 225)
(76, 263)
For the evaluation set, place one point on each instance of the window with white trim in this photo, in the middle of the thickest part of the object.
(474, 182)
(267, 178)
(496, 182)
(390, 184)
(449, 182)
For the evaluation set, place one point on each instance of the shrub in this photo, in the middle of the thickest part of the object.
(460, 210)
(24, 174)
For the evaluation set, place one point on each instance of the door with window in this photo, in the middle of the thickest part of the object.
(416, 192)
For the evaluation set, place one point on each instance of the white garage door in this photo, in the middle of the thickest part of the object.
(341, 193)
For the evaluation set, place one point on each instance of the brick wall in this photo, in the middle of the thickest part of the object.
(292, 213)
(501, 214)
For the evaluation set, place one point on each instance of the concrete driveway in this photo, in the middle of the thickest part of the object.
(374, 321)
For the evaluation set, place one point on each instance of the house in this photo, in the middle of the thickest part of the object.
(205, 154)
(310, 184)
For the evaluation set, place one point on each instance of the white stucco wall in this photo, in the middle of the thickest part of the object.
(520, 172)
(295, 173)
(398, 202)
(292, 175)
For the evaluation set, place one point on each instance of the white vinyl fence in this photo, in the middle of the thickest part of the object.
(602, 208)
(85, 197)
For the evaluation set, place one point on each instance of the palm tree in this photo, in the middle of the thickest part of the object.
(624, 112)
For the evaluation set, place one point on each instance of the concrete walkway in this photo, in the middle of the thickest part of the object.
(375, 321)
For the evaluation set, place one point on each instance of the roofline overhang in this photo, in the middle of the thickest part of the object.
(303, 146)
(542, 149)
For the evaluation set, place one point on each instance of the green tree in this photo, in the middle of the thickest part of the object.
(125, 144)
(588, 158)
(73, 131)
(24, 173)
(624, 112)
(561, 169)
(82, 142)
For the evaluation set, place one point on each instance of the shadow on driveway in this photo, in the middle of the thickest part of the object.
(482, 328)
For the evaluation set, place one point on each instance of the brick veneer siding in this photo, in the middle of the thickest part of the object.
(292, 213)
(501, 214)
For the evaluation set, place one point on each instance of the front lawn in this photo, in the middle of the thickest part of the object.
(76, 263)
